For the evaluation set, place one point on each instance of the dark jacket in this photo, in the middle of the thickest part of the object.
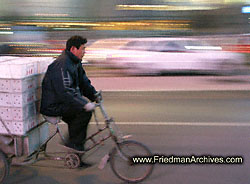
(63, 86)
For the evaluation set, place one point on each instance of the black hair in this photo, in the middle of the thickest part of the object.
(76, 41)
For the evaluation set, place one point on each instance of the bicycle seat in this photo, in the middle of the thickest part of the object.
(52, 119)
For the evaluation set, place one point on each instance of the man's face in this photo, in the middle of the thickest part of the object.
(78, 52)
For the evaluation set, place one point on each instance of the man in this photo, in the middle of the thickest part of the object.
(63, 87)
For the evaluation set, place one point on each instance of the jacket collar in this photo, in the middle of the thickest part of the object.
(75, 59)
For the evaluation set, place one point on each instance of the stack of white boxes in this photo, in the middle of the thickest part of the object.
(20, 94)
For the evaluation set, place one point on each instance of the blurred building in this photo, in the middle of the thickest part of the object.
(118, 18)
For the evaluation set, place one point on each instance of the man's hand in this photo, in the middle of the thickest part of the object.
(98, 97)
(89, 106)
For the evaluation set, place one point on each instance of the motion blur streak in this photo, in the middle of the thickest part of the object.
(40, 28)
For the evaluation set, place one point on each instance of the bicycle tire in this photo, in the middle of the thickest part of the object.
(125, 169)
(4, 167)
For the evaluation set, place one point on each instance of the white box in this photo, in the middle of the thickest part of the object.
(23, 113)
(21, 85)
(3, 129)
(18, 85)
(24, 85)
(39, 93)
(18, 113)
(19, 68)
(38, 105)
(20, 127)
(7, 58)
(43, 64)
(40, 79)
(17, 99)
(5, 85)
(5, 113)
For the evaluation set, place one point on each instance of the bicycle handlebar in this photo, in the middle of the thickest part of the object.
(99, 101)
(98, 96)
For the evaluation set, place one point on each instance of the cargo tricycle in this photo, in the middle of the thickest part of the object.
(120, 157)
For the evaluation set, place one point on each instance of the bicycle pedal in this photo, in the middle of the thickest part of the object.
(103, 161)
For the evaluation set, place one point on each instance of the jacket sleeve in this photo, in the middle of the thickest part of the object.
(62, 83)
(87, 89)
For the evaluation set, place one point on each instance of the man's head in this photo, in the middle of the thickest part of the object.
(76, 45)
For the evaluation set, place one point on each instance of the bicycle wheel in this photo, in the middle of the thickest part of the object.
(4, 167)
(122, 165)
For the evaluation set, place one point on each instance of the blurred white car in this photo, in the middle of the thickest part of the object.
(162, 55)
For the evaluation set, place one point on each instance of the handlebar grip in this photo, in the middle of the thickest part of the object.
(98, 96)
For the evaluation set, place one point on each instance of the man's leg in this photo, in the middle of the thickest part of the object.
(77, 126)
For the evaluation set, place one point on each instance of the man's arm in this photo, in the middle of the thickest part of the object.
(62, 85)
(87, 89)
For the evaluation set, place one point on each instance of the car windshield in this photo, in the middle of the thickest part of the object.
(138, 45)
(167, 45)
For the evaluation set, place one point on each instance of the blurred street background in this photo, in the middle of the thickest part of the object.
(209, 37)
(175, 74)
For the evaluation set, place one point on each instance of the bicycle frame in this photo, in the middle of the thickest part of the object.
(112, 134)
(108, 122)
(73, 157)
(90, 138)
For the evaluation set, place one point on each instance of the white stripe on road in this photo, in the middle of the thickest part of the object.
(236, 124)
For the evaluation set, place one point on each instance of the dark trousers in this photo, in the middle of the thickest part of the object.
(77, 126)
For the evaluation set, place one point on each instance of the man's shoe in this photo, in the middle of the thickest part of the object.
(85, 164)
